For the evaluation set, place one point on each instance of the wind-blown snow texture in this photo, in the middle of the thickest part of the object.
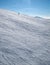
(24, 40)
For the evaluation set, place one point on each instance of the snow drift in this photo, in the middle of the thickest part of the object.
(24, 40)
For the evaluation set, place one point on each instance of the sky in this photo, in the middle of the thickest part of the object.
(29, 7)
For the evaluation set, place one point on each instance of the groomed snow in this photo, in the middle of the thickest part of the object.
(24, 40)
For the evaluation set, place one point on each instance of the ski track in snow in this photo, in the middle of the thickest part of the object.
(24, 40)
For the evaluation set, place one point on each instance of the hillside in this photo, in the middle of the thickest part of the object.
(24, 40)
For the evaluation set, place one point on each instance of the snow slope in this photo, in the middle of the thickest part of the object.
(24, 40)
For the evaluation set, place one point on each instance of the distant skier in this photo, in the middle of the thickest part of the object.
(18, 13)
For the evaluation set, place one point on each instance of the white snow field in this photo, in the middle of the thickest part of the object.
(24, 40)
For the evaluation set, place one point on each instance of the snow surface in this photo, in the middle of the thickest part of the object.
(24, 40)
